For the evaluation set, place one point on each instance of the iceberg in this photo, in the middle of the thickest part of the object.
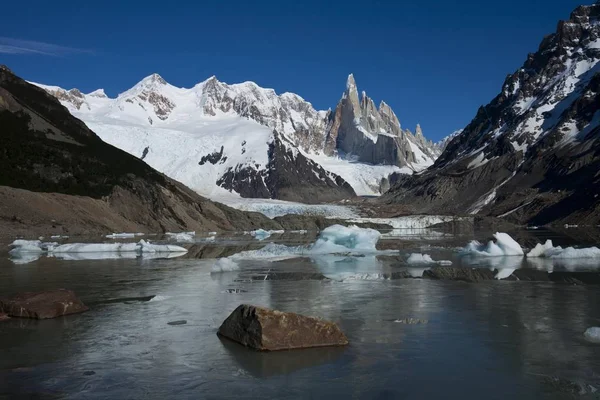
(142, 247)
(503, 246)
(182, 236)
(260, 234)
(547, 250)
(224, 265)
(341, 239)
(417, 259)
(30, 246)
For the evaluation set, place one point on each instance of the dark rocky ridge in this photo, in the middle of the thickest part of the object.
(57, 174)
(519, 158)
(289, 176)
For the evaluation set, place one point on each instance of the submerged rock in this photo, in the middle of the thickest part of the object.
(180, 322)
(42, 305)
(269, 330)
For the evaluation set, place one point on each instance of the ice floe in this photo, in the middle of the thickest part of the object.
(181, 236)
(548, 250)
(503, 246)
(341, 239)
(224, 265)
(417, 259)
(91, 251)
(123, 235)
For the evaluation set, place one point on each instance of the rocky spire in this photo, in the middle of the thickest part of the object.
(388, 115)
(351, 94)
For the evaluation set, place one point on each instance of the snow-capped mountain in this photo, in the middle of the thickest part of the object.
(219, 138)
(532, 154)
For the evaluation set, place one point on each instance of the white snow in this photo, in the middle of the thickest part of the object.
(503, 246)
(173, 128)
(364, 178)
(341, 239)
(592, 334)
(547, 250)
(478, 161)
(224, 265)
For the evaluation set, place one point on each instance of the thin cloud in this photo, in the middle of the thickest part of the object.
(18, 46)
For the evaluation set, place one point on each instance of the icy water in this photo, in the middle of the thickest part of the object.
(485, 340)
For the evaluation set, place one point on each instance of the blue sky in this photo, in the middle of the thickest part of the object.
(435, 62)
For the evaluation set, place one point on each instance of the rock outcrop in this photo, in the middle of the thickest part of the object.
(269, 330)
(532, 154)
(42, 305)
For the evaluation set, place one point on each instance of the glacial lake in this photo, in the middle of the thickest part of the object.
(484, 339)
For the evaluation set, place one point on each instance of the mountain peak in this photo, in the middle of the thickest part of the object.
(98, 93)
(350, 82)
(154, 79)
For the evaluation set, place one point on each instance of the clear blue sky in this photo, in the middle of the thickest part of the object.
(435, 62)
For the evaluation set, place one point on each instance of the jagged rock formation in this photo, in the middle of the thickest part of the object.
(532, 154)
(58, 176)
(374, 135)
(356, 130)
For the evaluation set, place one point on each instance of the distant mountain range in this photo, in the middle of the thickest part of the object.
(226, 140)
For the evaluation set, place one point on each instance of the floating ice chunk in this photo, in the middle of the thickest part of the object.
(141, 247)
(145, 247)
(59, 237)
(30, 246)
(417, 258)
(341, 239)
(300, 232)
(224, 265)
(96, 248)
(503, 246)
(547, 250)
(271, 251)
(277, 232)
(260, 234)
(212, 233)
(592, 334)
(182, 236)
(120, 235)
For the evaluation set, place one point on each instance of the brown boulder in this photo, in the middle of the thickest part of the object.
(42, 305)
(269, 330)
